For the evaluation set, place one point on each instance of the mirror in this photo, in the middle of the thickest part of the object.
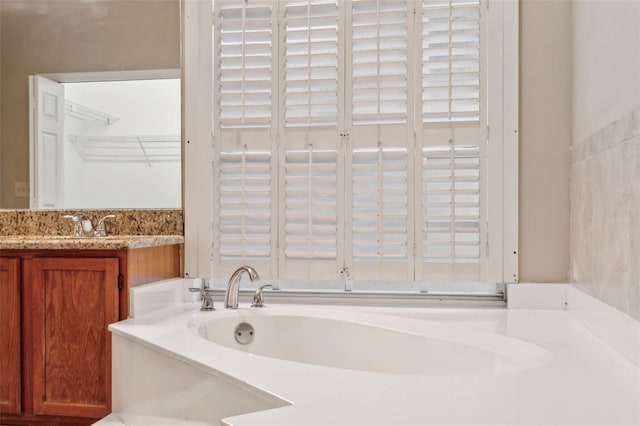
(104, 144)
(100, 37)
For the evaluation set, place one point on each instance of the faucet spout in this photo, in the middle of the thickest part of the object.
(233, 286)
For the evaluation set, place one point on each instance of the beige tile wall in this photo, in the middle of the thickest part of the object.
(605, 214)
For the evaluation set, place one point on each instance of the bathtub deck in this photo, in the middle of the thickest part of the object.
(585, 383)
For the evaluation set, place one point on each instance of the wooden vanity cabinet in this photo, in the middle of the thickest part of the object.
(61, 302)
(73, 302)
(9, 336)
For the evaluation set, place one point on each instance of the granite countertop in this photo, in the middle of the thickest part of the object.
(51, 223)
(47, 242)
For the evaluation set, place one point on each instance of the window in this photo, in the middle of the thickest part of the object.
(351, 141)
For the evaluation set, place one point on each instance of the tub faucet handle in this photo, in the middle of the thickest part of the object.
(207, 298)
(258, 300)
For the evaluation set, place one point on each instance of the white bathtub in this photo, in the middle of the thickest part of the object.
(364, 366)
(369, 342)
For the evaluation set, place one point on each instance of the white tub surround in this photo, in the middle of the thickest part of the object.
(537, 296)
(558, 371)
(133, 420)
(617, 330)
(159, 295)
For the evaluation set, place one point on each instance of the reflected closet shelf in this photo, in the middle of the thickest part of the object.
(142, 148)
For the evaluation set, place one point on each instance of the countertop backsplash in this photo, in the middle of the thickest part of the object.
(126, 222)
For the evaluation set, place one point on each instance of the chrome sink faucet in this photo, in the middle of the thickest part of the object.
(233, 287)
(83, 226)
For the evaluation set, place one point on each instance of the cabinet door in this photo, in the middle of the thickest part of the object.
(74, 300)
(9, 336)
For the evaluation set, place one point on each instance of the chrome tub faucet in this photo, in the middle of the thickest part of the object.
(233, 286)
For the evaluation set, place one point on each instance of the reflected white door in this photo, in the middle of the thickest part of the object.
(47, 138)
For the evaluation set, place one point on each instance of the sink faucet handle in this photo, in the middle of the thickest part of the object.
(76, 217)
(207, 298)
(258, 300)
(100, 230)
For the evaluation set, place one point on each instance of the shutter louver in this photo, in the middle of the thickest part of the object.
(244, 61)
(379, 61)
(450, 60)
(311, 63)
(244, 213)
(380, 205)
(310, 204)
(451, 203)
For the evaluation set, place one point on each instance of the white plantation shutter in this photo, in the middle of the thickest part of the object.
(451, 139)
(379, 61)
(350, 139)
(245, 204)
(243, 214)
(451, 217)
(450, 60)
(310, 213)
(245, 108)
(311, 63)
(380, 217)
(244, 56)
(379, 236)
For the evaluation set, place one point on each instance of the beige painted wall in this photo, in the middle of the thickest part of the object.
(545, 137)
(64, 36)
(1, 103)
(55, 36)
(606, 58)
